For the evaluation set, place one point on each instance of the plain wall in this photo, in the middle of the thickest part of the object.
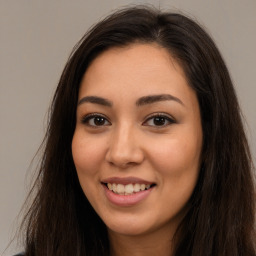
(36, 39)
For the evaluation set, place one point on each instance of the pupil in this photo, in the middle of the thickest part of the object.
(159, 121)
(99, 120)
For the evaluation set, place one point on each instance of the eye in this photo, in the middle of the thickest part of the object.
(95, 120)
(159, 120)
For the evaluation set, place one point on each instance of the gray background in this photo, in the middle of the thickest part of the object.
(36, 39)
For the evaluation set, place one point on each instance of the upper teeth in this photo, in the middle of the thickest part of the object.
(127, 189)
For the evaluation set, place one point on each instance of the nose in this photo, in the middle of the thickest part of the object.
(124, 148)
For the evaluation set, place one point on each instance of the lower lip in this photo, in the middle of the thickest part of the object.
(126, 200)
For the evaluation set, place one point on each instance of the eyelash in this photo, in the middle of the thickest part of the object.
(86, 119)
(166, 117)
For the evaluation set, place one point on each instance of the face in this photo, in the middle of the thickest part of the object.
(138, 138)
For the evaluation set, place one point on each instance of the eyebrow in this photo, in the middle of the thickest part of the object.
(156, 98)
(150, 99)
(96, 100)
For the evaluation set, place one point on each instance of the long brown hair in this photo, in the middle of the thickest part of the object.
(221, 216)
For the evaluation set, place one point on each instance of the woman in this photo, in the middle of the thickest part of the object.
(145, 152)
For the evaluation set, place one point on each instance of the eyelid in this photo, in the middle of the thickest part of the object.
(86, 118)
(168, 117)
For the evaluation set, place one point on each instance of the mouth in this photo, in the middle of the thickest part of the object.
(128, 189)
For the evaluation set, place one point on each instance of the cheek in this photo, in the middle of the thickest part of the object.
(87, 158)
(177, 167)
(177, 157)
(87, 154)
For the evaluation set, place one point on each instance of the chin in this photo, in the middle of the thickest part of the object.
(128, 230)
(133, 227)
(146, 224)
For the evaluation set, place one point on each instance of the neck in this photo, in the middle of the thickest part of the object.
(153, 244)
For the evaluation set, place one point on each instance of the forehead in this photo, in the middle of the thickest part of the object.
(143, 56)
(134, 70)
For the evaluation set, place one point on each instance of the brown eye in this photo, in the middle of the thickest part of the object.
(159, 121)
(98, 121)
(95, 120)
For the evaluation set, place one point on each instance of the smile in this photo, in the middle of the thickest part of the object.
(128, 189)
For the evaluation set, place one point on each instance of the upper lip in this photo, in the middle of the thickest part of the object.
(126, 180)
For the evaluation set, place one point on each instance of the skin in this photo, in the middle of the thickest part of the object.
(129, 143)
